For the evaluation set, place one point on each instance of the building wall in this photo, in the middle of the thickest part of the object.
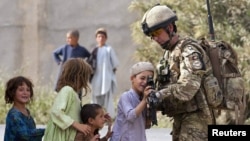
(30, 30)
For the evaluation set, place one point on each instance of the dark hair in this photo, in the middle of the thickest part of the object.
(101, 31)
(74, 33)
(13, 84)
(89, 111)
(75, 73)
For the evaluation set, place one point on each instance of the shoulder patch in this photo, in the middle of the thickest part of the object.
(193, 60)
(188, 50)
(196, 62)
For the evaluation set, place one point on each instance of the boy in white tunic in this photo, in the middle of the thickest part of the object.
(104, 80)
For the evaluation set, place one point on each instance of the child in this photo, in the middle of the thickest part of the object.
(65, 118)
(130, 121)
(93, 115)
(104, 82)
(72, 49)
(20, 124)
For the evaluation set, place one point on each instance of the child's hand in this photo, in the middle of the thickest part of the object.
(146, 92)
(109, 133)
(109, 121)
(96, 138)
(108, 118)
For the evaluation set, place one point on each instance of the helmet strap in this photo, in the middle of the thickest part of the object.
(167, 45)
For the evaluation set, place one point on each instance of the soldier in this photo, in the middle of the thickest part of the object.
(180, 75)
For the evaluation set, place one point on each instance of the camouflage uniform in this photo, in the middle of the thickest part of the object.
(182, 96)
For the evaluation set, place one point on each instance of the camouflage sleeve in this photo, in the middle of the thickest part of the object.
(189, 80)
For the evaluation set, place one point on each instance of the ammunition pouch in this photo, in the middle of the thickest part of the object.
(172, 106)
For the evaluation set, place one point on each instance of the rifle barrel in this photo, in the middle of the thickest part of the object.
(210, 22)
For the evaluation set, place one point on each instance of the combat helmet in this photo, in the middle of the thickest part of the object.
(157, 17)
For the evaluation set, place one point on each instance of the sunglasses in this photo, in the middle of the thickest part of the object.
(156, 33)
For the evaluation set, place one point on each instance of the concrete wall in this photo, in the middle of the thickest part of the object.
(31, 29)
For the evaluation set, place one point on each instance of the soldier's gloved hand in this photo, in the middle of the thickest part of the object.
(163, 93)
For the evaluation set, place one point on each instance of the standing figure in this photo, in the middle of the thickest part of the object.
(95, 117)
(20, 125)
(104, 80)
(65, 118)
(180, 74)
(130, 123)
(71, 50)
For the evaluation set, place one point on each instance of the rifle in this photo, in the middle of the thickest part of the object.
(152, 108)
(210, 22)
(151, 115)
(240, 106)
